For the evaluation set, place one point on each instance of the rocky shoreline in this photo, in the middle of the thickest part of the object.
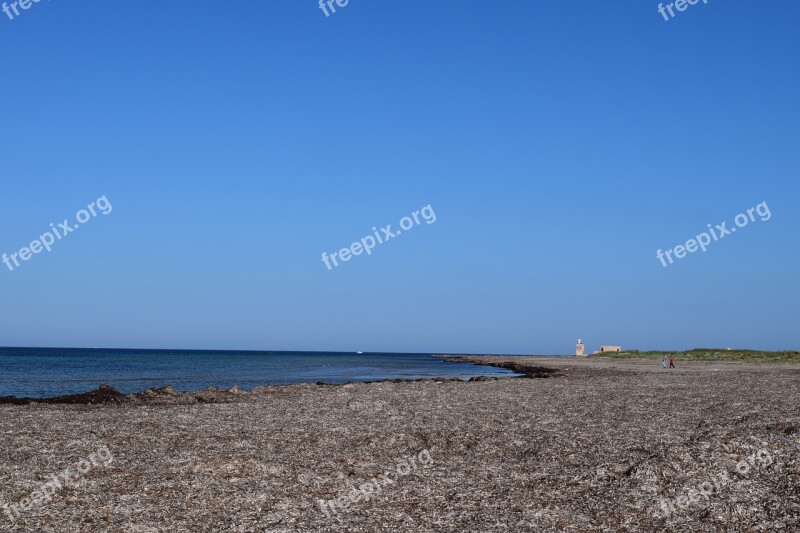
(106, 394)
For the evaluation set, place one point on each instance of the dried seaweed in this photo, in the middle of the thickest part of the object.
(597, 449)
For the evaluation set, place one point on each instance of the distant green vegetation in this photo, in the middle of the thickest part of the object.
(711, 354)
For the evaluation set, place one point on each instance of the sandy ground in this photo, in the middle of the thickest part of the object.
(590, 445)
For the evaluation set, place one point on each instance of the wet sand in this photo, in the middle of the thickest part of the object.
(581, 445)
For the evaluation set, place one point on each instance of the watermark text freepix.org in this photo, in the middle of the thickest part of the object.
(712, 485)
(371, 489)
(369, 242)
(57, 232)
(680, 5)
(46, 491)
(716, 233)
(340, 3)
(23, 4)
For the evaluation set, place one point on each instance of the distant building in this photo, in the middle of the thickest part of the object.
(579, 349)
(606, 349)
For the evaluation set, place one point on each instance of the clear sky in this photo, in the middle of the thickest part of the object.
(560, 144)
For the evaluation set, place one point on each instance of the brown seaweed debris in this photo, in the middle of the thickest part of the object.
(101, 395)
(524, 368)
(167, 395)
(529, 371)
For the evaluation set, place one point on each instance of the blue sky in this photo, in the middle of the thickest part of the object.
(559, 144)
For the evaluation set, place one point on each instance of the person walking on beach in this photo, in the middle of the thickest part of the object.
(664, 361)
(671, 362)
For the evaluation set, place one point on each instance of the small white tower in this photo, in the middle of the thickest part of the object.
(579, 349)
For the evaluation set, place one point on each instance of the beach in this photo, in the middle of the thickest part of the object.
(585, 444)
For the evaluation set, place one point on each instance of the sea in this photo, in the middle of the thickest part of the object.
(50, 372)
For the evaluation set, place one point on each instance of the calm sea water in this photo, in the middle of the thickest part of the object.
(47, 372)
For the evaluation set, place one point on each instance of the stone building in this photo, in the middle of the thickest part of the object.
(605, 349)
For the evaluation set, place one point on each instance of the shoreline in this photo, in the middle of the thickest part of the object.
(61, 383)
(525, 370)
(525, 367)
(106, 394)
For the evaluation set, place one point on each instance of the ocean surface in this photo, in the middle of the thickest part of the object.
(48, 372)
